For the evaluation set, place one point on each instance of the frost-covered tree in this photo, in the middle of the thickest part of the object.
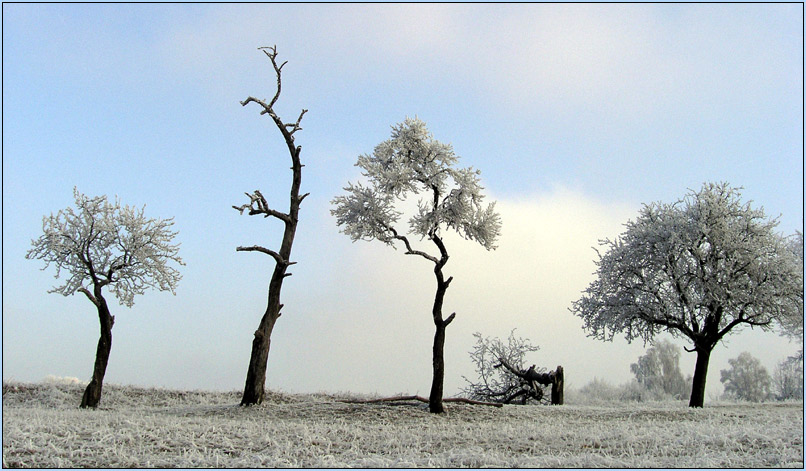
(501, 374)
(746, 379)
(413, 162)
(106, 245)
(787, 379)
(254, 388)
(792, 326)
(697, 268)
(658, 370)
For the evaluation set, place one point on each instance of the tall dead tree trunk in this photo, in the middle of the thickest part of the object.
(92, 394)
(254, 389)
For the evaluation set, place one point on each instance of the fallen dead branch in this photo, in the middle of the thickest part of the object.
(421, 399)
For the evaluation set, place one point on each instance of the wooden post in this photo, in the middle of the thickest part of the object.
(558, 379)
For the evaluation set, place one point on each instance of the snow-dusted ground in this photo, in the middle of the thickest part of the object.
(42, 427)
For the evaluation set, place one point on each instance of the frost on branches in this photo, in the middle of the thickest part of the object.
(696, 268)
(497, 365)
(106, 245)
(746, 379)
(413, 162)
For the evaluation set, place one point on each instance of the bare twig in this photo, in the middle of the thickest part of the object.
(257, 205)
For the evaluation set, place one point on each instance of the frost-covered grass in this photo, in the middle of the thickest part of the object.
(134, 427)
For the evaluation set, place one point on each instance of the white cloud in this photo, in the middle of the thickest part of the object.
(624, 62)
(367, 324)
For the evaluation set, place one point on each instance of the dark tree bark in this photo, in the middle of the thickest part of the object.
(700, 372)
(435, 398)
(254, 388)
(92, 394)
(554, 378)
(557, 387)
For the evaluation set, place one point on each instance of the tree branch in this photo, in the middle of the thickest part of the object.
(409, 250)
(295, 126)
(90, 296)
(277, 70)
(421, 399)
(261, 207)
(256, 248)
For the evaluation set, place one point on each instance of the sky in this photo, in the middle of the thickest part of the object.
(576, 115)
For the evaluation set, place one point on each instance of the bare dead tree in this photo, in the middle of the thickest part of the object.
(254, 388)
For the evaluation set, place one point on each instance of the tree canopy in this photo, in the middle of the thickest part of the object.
(698, 268)
(107, 244)
(412, 161)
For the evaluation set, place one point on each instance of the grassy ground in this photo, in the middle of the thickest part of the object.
(42, 427)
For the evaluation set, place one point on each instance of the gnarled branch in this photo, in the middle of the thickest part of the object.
(90, 296)
(256, 248)
(257, 205)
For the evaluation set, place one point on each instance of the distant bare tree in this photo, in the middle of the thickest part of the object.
(787, 379)
(254, 389)
(103, 244)
(412, 161)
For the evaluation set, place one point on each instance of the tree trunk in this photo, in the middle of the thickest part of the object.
(435, 398)
(438, 359)
(255, 386)
(92, 394)
(700, 373)
(557, 385)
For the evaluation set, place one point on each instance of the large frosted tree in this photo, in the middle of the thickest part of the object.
(412, 162)
(106, 245)
(697, 268)
(254, 388)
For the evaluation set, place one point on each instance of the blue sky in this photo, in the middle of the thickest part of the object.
(575, 114)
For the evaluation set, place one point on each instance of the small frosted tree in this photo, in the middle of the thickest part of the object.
(697, 268)
(106, 245)
(412, 162)
(746, 379)
(501, 372)
(658, 370)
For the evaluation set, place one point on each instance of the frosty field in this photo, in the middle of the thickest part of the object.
(134, 427)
